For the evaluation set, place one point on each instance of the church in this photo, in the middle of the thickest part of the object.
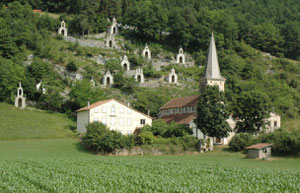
(184, 110)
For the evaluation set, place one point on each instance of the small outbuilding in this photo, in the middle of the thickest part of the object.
(260, 150)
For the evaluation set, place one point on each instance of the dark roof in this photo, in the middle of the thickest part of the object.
(190, 101)
(259, 146)
(181, 119)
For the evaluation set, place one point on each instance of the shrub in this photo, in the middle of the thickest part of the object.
(71, 66)
(284, 142)
(145, 137)
(175, 130)
(99, 138)
(240, 141)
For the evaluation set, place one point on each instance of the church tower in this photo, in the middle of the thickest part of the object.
(212, 75)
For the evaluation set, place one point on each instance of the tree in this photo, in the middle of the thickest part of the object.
(212, 113)
(251, 111)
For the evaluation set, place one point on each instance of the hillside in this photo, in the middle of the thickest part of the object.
(65, 65)
(32, 124)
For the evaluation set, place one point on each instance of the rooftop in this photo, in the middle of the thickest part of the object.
(190, 101)
(180, 118)
(259, 146)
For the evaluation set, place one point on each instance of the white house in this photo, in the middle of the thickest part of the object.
(113, 113)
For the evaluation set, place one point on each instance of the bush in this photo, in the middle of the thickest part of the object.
(99, 138)
(284, 142)
(71, 66)
(175, 130)
(240, 141)
(145, 137)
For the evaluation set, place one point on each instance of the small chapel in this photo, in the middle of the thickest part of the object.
(184, 110)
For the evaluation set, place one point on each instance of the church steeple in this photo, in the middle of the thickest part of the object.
(212, 74)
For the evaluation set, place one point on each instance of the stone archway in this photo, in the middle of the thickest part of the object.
(125, 66)
(173, 78)
(114, 30)
(139, 78)
(180, 60)
(107, 81)
(20, 102)
(63, 32)
(110, 44)
(146, 54)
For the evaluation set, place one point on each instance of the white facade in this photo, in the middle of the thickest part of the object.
(113, 28)
(108, 79)
(125, 63)
(110, 41)
(114, 114)
(273, 122)
(147, 52)
(139, 75)
(173, 77)
(20, 100)
(180, 58)
(63, 30)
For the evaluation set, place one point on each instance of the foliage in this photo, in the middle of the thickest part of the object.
(241, 140)
(71, 66)
(284, 142)
(251, 110)
(176, 130)
(99, 138)
(145, 137)
(212, 113)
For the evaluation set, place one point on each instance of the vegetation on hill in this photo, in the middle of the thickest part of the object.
(32, 124)
(236, 30)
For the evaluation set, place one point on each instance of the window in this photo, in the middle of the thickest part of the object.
(129, 111)
(104, 121)
(96, 110)
(113, 121)
(174, 111)
(95, 119)
(121, 110)
(266, 150)
(104, 109)
(143, 121)
(275, 123)
(128, 121)
(128, 132)
(113, 109)
(121, 121)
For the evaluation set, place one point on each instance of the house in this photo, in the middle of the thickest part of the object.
(114, 114)
(184, 110)
(260, 150)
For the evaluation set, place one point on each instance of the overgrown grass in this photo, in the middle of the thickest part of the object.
(32, 124)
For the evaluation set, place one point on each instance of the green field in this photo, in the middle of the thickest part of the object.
(61, 165)
(29, 123)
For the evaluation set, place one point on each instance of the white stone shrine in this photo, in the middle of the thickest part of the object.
(113, 28)
(110, 41)
(180, 58)
(139, 75)
(63, 30)
(20, 100)
(108, 79)
(173, 77)
(147, 52)
(125, 63)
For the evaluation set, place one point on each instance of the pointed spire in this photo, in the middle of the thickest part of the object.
(212, 70)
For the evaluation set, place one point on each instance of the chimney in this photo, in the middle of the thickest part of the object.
(148, 112)
(89, 104)
(128, 104)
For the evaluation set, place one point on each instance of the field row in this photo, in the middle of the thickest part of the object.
(140, 175)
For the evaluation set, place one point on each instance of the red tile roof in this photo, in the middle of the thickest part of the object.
(180, 118)
(94, 105)
(106, 101)
(259, 146)
(181, 102)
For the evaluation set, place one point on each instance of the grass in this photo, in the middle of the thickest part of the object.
(62, 165)
(16, 123)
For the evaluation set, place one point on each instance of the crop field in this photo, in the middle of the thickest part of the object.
(61, 166)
